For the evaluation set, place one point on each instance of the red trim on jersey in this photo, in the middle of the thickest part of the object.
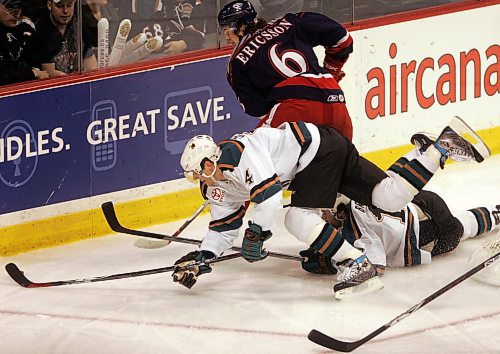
(317, 82)
(340, 46)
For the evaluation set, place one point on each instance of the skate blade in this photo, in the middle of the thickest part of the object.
(481, 151)
(367, 287)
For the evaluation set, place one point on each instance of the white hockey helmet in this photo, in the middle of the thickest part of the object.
(198, 149)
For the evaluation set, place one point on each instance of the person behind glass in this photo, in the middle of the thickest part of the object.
(56, 42)
(183, 35)
(15, 33)
(269, 9)
(92, 12)
(168, 19)
(275, 73)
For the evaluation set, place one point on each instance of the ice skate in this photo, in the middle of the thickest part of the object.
(460, 143)
(423, 140)
(358, 277)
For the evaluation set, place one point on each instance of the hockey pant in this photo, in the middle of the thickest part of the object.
(337, 167)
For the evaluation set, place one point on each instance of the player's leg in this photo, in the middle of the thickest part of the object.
(315, 188)
(457, 141)
(410, 173)
(358, 275)
(479, 221)
(441, 226)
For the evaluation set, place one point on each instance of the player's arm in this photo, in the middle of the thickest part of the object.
(252, 100)
(226, 221)
(322, 30)
(265, 190)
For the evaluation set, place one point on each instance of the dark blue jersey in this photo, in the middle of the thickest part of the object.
(283, 49)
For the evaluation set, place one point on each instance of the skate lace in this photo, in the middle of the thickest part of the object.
(457, 149)
(351, 270)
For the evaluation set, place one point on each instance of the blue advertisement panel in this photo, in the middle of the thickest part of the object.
(109, 135)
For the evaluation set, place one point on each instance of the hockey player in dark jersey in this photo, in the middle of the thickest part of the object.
(15, 35)
(275, 73)
(315, 162)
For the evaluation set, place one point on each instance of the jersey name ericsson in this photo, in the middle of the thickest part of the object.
(262, 38)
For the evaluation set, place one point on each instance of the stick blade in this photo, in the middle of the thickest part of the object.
(109, 213)
(150, 244)
(331, 343)
(18, 276)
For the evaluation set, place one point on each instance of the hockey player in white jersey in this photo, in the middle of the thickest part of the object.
(396, 239)
(315, 163)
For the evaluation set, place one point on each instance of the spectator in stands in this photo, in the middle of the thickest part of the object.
(56, 43)
(186, 25)
(15, 33)
(180, 23)
(92, 12)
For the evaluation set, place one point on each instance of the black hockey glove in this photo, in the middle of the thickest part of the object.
(253, 242)
(316, 262)
(189, 267)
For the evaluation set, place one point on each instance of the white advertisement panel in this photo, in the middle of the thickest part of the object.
(415, 75)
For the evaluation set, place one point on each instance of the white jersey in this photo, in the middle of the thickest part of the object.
(257, 166)
(389, 239)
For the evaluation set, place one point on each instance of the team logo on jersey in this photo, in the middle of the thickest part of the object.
(217, 194)
(335, 98)
(248, 177)
(332, 98)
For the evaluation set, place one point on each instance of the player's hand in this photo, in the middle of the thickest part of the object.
(175, 47)
(191, 266)
(253, 242)
(316, 263)
(335, 68)
(40, 74)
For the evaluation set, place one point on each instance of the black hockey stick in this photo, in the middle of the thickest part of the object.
(154, 244)
(110, 215)
(341, 346)
(19, 277)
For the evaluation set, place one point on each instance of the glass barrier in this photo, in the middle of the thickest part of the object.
(73, 36)
(364, 9)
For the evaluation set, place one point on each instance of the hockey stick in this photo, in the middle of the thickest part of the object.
(150, 244)
(341, 346)
(110, 215)
(18, 276)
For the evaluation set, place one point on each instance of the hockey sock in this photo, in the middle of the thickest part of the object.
(476, 221)
(417, 171)
(331, 243)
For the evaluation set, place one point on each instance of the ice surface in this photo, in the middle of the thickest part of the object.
(265, 307)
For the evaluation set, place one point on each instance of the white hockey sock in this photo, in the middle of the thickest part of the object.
(430, 158)
(476, 221)
(346, 251)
